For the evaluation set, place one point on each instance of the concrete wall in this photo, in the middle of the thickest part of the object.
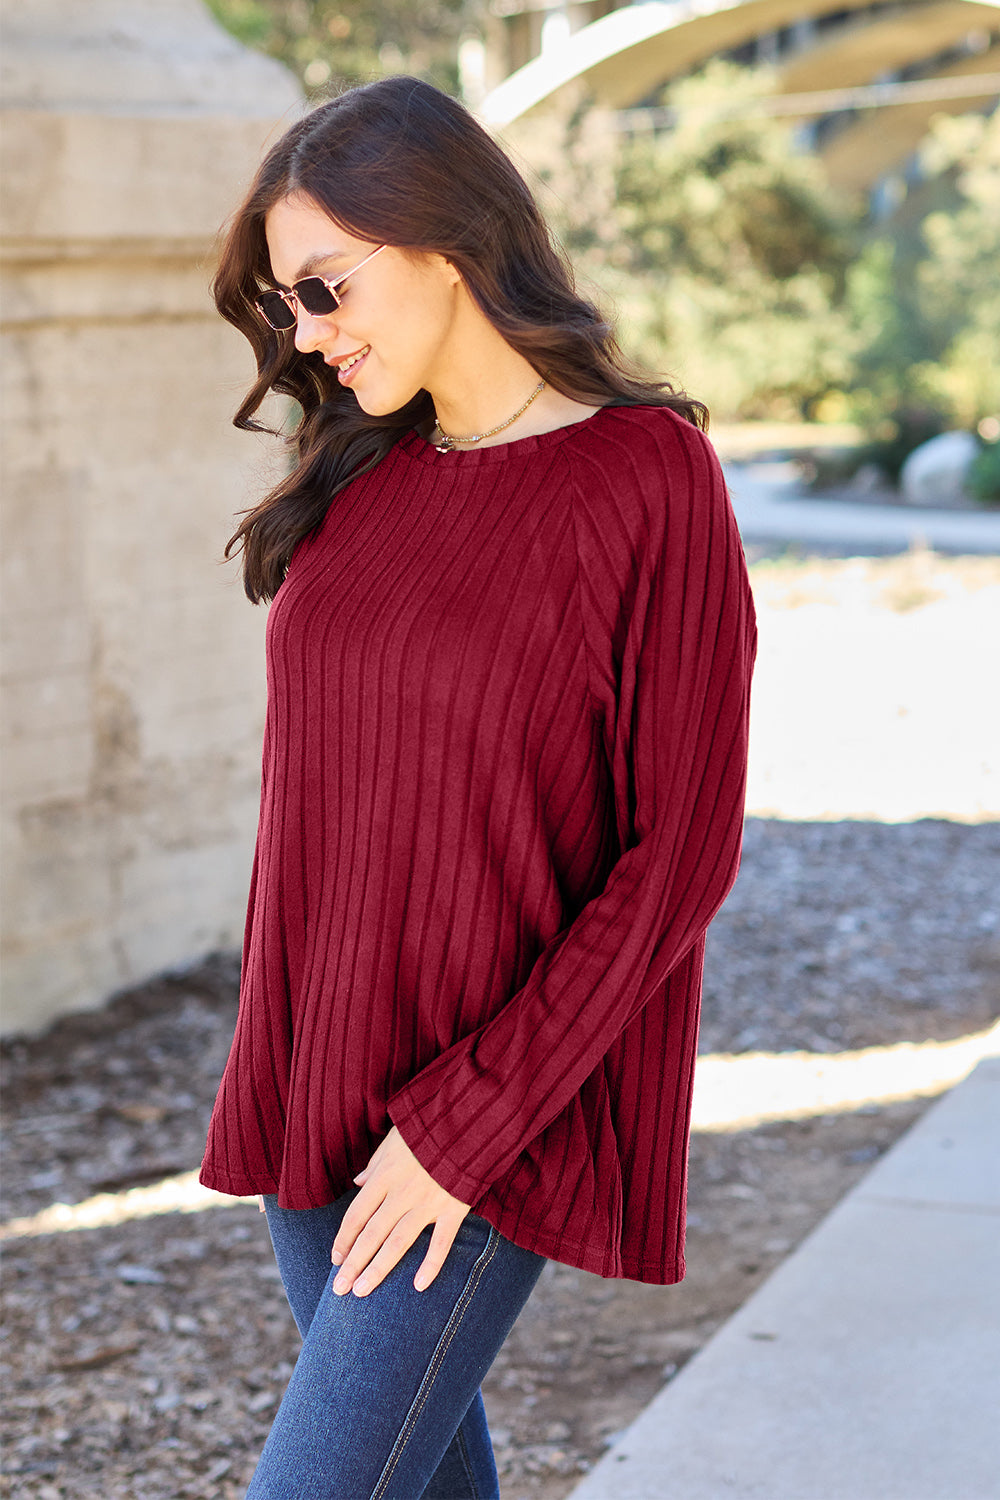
(133, 671)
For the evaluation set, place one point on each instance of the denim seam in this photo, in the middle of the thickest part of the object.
(436, 1360)
(463, 1449)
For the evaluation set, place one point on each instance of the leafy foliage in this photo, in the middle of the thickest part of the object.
(925, 297)
(342, 42)
(734, 265)
(959, 282)
(983, 479)
(719, 243)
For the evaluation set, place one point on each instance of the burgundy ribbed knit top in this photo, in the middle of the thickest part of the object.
(502, 799)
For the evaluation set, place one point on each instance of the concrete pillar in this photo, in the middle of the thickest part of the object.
(132, 665)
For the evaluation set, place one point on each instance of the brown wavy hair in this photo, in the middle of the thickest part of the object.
(398, 162)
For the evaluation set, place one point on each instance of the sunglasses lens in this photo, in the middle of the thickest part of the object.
(316, 297)
(276, 310)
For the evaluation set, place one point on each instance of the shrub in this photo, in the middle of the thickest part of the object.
(983, 479)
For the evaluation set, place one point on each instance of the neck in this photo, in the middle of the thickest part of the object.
(452, 439)
(480, 381)
(494, 391)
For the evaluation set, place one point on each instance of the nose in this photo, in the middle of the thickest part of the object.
(310, 330)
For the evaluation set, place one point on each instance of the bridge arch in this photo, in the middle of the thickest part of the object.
(626, 55)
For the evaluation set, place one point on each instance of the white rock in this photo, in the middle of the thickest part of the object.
(934, 474)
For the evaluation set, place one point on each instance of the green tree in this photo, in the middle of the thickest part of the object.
(720, 244)
(341, 42)
(925, 297)
(958, 282)
(734, 267)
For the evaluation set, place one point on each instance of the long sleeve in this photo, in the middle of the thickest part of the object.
(668, 626)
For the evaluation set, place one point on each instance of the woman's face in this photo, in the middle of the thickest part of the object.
(399, 313)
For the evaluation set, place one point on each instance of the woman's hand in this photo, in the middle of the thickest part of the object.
(398, 1199)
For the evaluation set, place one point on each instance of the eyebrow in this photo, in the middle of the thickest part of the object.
(311, 265)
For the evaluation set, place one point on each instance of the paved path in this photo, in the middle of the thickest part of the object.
(867, 1367)
(768, 509)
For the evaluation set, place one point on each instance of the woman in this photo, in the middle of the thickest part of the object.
(508, 672)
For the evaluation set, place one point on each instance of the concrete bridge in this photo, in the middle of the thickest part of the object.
(897, 63)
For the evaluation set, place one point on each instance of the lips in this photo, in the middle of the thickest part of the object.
(348, 366)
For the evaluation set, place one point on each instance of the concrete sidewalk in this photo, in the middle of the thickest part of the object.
(770, 507)
(867, 1367)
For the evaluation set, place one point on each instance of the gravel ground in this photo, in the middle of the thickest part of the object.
(144, 1360)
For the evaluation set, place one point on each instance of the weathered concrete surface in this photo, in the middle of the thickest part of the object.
(132, 668)
(866, 1367)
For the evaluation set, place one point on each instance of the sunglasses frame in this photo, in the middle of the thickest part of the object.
(292, 301)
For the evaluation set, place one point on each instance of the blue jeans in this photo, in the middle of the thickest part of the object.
(384, 1400)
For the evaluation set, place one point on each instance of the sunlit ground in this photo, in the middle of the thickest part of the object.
(732, 1092)
(752, 1088)
(875, 693)
(873, 698)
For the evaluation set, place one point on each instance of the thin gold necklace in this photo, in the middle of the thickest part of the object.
(447, 443)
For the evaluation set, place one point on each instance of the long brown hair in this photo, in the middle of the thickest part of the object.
(398, 162)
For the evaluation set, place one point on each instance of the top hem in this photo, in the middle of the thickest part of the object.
(566, 1252)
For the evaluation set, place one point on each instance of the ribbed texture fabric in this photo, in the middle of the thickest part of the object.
(503, 787)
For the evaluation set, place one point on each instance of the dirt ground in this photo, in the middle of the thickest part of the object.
(144, 1360)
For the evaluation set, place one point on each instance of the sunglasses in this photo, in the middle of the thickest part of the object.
(318, 295)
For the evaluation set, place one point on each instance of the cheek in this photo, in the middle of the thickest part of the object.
(409, 339)
(436, 330)
(408, 331)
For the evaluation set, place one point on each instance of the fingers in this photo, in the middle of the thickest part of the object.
(376, 1252)
(362, 1274)
(397, 1201)
(367, 1248)
(441, 1242)
(364, 1244)
(357, 1217)
(260, 1203)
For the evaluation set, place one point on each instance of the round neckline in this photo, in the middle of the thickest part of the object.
(424, 451)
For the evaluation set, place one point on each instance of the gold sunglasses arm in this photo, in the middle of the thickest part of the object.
(337, 281)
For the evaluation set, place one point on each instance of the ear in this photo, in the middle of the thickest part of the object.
(453, 274)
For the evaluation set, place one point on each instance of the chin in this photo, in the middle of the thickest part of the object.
(383, 402)
(373, 407)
